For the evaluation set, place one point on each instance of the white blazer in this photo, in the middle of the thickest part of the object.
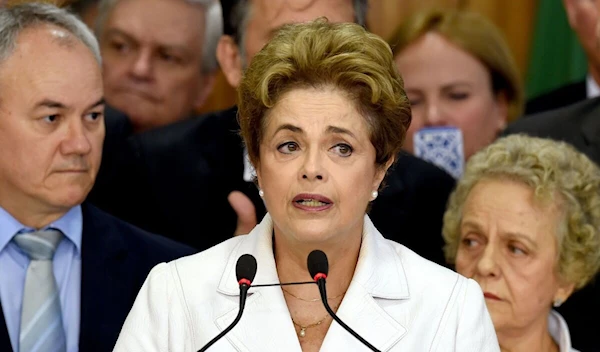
(396, 300)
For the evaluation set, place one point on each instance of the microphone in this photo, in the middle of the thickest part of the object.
(245, 271)
(318, 267)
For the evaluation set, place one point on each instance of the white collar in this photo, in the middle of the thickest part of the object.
(591, 87)
(557, 326)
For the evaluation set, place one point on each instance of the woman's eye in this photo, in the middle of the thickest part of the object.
(343, 149)
(288, 147)
(516, 250)
(459, 96)
(469, 242)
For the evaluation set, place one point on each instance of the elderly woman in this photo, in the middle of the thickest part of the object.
(524, 222)
(458, 71)
(323, 113)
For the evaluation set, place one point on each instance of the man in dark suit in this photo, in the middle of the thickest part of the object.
(410, 208)
(69, 272)
(158, 57)
(583, 19)
(578, 125)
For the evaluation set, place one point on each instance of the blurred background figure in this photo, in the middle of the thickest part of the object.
(578, 123)
(458, 71)
(524, 222)
(86, 10)
(159, 61)
(583, 18)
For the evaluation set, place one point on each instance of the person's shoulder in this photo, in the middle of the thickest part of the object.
(137, 240)
(414, 171)
(188, 138)
(557, 121)
(203, 125)
(562, 96)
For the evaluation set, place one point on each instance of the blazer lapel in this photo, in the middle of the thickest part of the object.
(379, 284)
(5, 344)
(590, 128)
(104, 288)
(265, 306)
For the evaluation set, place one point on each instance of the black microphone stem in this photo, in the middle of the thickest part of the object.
(323, 291)
(243, 294)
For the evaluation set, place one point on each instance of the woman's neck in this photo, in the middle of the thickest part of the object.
(291, 259)
(536, 338)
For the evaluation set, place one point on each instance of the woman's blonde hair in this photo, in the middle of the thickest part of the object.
(320, 54)
(558, 174)
(474, 34)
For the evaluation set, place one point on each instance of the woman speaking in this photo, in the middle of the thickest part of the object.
(323, 114)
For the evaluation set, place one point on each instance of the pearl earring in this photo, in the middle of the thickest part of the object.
(557, 303)
(374, 194)
(261, 193)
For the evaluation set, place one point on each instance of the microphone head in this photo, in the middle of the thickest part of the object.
(245, 268)
(317, 264)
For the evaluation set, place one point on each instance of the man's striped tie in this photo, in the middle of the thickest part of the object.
(41, 318)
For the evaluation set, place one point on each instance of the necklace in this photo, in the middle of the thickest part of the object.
(302, 332)
(310, 300)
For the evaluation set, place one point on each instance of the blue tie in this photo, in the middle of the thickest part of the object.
(41, 318)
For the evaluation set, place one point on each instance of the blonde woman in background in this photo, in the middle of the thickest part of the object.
(524, 222)
(458, 71)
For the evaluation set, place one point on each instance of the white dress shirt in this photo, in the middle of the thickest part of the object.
(397, 301)
(592, 88)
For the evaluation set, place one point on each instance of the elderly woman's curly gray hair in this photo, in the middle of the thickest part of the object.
(558, 174)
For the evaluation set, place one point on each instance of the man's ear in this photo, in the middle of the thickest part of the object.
(206, 87)
(230, 59)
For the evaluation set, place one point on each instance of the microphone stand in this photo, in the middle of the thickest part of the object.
(323, 292)
(243, 294)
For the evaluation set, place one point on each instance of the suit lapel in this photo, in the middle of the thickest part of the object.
(265, 306)
(5, 344)
(590, 129)
(104, 293)
(379, 285)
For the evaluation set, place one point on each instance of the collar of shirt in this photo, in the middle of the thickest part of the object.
(557, 326)
(591, 87)
(70, 224)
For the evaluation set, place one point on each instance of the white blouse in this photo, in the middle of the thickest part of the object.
(557, 326)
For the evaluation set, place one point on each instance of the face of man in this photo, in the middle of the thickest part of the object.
(266, 16)
(583, 18)
(152, 58)
(51, 125)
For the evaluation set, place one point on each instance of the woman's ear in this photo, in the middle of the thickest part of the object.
(563, 292)
(381, 172)
(501, 111)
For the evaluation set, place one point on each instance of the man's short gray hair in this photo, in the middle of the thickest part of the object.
(241, 12)
(13, 20)
(212, 31)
